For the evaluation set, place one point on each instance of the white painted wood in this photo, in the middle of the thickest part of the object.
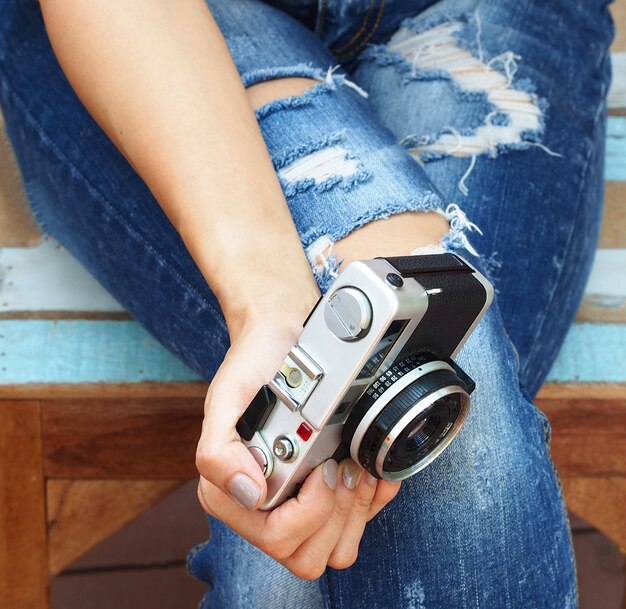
(608, 275)
(49, 278)
(617, 92)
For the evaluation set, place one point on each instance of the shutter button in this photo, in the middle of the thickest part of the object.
(394, 280)
(284, 449)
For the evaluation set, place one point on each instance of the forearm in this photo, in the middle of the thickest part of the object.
(158, 78)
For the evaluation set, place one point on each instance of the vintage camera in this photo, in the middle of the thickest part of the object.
(371, 375)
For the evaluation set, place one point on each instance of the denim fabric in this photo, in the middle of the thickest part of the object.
(490, 114)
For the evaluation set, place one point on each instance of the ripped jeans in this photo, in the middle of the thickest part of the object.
(492, 114)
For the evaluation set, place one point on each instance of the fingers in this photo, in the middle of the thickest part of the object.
(311, 558)
(321, 527)
(281, 531)
(223, 460)
(385, 492)
(346, 550)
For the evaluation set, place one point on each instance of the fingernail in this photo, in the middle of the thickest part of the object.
(244, 490)
(329, 473)
(371, 480)
(351, 474)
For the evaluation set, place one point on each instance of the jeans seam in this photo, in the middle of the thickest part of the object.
(584, 174)
(358, 34)
(367, 37)
(547, 440)
(548, 443)
(129, 226)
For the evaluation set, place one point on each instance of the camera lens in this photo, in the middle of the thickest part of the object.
(407, 417)
(421, 432)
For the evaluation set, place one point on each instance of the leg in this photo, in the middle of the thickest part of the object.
(505, 109)
(400, 233)
(539, 302)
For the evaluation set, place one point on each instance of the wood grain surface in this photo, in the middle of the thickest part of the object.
(156, 438)
(17, 226)
(82, 513)
(23, 559)
(589, 433)
(121, 439)
(599, 501)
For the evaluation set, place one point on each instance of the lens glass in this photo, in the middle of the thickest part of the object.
(423, 434)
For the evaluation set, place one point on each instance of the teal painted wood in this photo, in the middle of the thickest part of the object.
(592, 353)
(77, 351)
(615, 160)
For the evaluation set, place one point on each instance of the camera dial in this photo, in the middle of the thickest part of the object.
(408, 416)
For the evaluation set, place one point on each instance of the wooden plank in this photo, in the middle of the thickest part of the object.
(161, 535)
(23, 543)
(605, 293)
(615, 156)
(151, 439)
(618, 11)
(46, 282)
(92, 315)
(156, 438)
(599, 501)
(198, 390)
(617, 91)
(589, 433)
(48, 278)
(582, 391)
(80, 351)
(613, 233)
(164, 587)
(81, 513)
(592, 353)
(603, 309)
(17, 226)
(41, 391)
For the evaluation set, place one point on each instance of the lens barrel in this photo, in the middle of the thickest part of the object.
(408, 416)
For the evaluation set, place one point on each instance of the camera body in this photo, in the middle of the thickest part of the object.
(371, 375)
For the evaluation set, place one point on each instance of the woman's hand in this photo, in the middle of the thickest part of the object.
(320, 527)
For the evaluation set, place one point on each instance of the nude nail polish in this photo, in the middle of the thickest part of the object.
(351, 474)
(329, 473)
(244, 491)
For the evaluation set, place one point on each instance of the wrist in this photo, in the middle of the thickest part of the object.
(281, 301)
(256, 278)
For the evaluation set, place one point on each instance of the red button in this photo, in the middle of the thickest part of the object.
(304, 431)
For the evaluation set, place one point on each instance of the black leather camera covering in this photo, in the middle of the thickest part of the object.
(451, 312)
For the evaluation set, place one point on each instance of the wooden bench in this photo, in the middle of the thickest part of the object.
(98, 422)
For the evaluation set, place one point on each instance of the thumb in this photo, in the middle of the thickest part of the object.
(223, 460)
(221, 457)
